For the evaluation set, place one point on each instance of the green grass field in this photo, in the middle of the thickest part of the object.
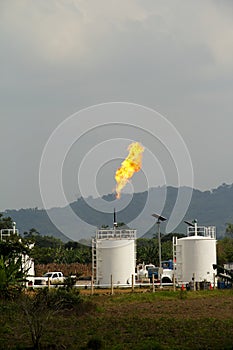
(160, 320)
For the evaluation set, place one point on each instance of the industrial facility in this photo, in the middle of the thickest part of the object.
(193, 261)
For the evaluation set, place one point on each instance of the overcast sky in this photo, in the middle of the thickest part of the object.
(60, 56)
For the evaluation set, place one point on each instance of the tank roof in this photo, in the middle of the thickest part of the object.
(116, 234)
(195, 238)
(201, 231)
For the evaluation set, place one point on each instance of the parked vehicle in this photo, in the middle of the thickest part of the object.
(49, 277)
(153, 271)
(166, 271)
(142, 270)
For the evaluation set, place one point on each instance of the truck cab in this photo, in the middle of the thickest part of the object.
(167, 275)
(167, 264)
(166, 272)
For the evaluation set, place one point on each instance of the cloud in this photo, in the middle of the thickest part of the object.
(58, 56)
(218, 24)
(61, 31)
(82, 33)
(176, 45)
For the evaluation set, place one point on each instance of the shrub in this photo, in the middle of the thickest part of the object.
(39, 307)
(64, 299)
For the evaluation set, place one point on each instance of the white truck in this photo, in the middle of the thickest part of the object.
(146, 271)
(142, 270)
(48, 278)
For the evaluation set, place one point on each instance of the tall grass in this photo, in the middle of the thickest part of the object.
(160, 320)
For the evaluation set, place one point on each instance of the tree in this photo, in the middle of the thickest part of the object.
(38, 313)
(5, 223)
(147, 250)
(167, 251)
(12, 272)
(122, 224)
(225, 251)
(32, 233)
(104, 227)
(168, 237)
(48, 249)
(229, 229)
(42, 306)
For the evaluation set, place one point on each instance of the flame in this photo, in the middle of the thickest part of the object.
(129, 166)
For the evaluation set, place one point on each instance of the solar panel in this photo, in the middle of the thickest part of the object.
(159, 217)
(189, 223)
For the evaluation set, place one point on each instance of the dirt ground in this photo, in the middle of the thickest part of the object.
(192, 306)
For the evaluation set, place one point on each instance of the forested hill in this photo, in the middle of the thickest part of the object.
(213, 207)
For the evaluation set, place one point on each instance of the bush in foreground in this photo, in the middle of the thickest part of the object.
(39, 307)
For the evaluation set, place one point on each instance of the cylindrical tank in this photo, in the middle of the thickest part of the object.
(195, 258)
(115, 255)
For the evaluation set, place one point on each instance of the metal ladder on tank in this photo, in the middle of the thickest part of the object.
(96, 256)
(94, 260)
(177, 253)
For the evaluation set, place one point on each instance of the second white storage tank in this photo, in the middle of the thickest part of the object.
(196, 254)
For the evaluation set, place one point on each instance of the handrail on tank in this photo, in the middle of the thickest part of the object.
(7, 232)
(204, 231)
(115, 234)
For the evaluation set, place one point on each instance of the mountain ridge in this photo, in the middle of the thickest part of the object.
(211, 208)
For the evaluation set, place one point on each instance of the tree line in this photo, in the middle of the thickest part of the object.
(48, 249)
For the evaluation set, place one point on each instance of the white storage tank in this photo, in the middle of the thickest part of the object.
(114, 254)
(195, 255)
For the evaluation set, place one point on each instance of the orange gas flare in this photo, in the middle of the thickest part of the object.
(129, 166)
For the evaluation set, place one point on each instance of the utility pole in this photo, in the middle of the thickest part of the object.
(159, 219)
